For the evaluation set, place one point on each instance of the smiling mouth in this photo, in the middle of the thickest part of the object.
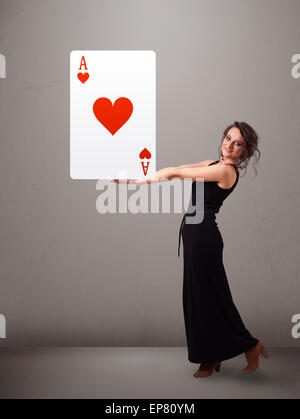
(229, 151)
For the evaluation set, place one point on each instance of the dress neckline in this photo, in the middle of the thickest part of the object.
(228, 164)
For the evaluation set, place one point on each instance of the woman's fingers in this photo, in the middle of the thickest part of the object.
(139, 181)
(160, 175)
(123, 180)
(120, 180)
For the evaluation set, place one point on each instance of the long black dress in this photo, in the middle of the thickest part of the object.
(214, 328)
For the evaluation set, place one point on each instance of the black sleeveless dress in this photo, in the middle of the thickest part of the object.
(214, 328)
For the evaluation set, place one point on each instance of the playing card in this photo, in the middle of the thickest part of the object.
(112, 114)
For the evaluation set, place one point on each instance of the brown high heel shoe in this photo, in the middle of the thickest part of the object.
(205, 370)
(252, 357)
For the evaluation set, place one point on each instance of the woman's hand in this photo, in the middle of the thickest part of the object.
(122, 180)
(167, 173)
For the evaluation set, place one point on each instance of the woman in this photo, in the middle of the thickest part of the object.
(214, 328)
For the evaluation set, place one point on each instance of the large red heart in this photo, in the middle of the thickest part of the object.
(83, 77)
(112, 117)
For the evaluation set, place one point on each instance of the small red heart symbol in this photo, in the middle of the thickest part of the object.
(83, 77)
(112, 117)
(145, 154)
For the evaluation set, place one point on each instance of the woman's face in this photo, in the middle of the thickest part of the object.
(233, 144)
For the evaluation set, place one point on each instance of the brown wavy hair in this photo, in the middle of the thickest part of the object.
(251, 138)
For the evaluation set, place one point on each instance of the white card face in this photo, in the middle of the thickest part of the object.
(112, 114)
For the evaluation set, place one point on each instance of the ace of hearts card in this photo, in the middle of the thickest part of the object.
(112, 114)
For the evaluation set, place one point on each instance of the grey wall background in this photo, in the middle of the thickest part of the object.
(71, 276)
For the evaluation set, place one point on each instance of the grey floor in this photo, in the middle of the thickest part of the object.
(144, 373)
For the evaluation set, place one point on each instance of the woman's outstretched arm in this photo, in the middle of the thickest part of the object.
(215, 173)
(201, 164)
